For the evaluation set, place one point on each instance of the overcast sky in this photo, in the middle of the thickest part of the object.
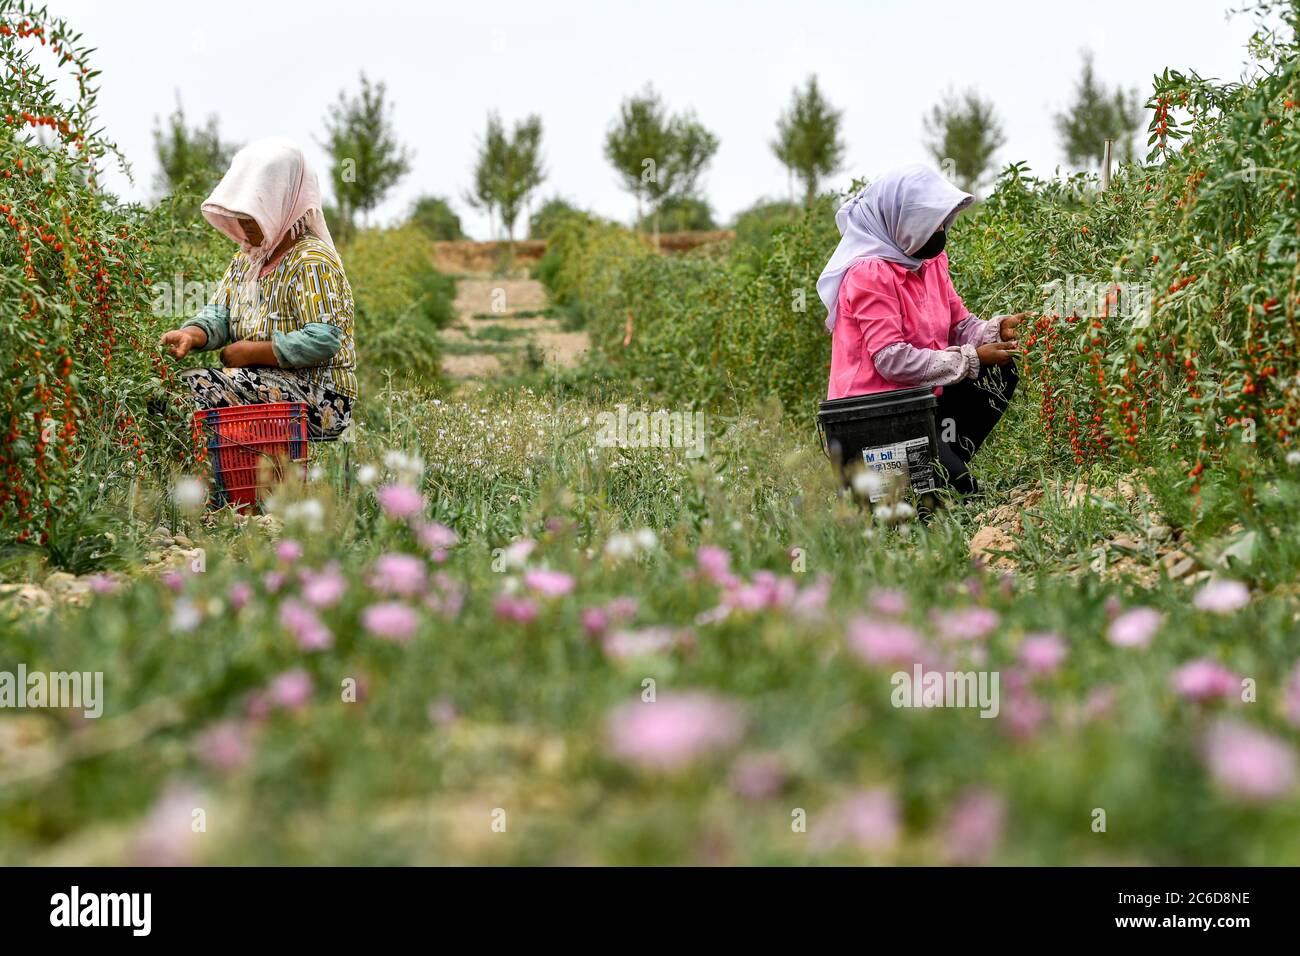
(272, 68)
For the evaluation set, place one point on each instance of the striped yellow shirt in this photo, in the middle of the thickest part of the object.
(307, 285)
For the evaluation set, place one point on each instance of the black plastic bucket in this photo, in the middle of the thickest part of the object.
(891, 433)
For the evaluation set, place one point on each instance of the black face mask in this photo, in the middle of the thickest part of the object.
(933, 246)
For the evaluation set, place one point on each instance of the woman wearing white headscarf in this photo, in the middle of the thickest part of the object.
(897, 322)
(282, 315)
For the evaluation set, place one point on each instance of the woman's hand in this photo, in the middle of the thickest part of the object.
(180, 342)
(243, 353)
(1010, 324)
(996, 353)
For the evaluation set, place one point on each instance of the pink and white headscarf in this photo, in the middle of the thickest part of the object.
(889, 219)
(269, 182)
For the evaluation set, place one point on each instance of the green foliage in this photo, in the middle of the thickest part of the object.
(808, 139)
(366, 158)
(508, 169)
(583, 261)
(436, 218)
(700, 331)
(401, 302)
(1098, 114)
(755, 227)
(550, 215)
(964, 132)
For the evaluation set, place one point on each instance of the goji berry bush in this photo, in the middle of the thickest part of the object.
(1168, 301)
(79, 375)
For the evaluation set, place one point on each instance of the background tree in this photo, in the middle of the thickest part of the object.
(658, 157)
(366, 158)
(508, 169)
(964, 131)
(436, 218)
(189, 158)
(808, 140)
(548, 217)
(1098, 114)
(683, 214)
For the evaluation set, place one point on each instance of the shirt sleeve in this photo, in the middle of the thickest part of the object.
(906, 364)
(973, 330)
(313, 344)
(214, 320)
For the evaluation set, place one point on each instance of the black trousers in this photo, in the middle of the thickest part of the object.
(965, 416)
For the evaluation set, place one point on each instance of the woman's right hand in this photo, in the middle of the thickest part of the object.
(180, 342)
(996, 353)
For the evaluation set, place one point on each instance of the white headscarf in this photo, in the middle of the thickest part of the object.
(889, 219)
(269, 182)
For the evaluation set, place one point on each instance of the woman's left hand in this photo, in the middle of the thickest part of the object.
(1010, 324)
(244, 353)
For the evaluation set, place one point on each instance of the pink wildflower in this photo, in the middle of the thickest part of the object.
(888, 601)
(306, 628)
(240, 593)
(290, 690)
(1222, 597)
(547, 583)
(1135, 628)
(288, 551)
(966, 624)
(974, 827)
(1249, 763)
(1204, 679)
(759, 776)
(1043, 653)
(885, 642)
(224, 746)
(400, 501)
(868, 820)
(396, 573)
(323, 588)
(391, 621)
(715, 563)
(624, 645)
(675, 730)
(521, 610)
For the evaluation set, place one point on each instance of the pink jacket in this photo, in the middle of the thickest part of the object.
(900, 328)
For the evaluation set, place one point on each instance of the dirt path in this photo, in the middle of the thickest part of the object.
(497, 319)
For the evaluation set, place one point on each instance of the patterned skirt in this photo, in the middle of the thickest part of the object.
(328, 412)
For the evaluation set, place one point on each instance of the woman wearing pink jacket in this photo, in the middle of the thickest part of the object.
(897, 322)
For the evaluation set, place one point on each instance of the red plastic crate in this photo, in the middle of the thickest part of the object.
(249, 446)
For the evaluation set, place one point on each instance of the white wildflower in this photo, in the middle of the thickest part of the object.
(620, 546)
(308, 513)
(185, 616)
(867, 484)
(189, 493)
